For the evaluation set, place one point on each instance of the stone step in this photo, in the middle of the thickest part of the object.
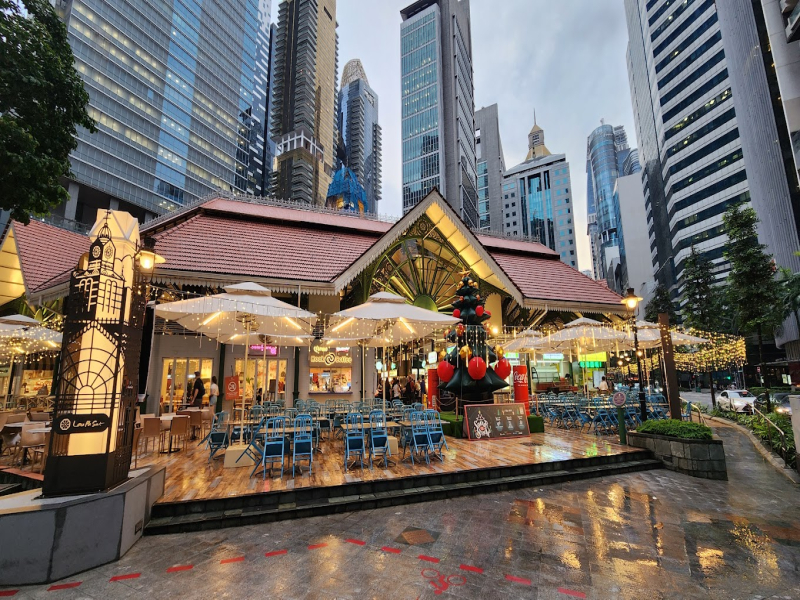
(265, 508)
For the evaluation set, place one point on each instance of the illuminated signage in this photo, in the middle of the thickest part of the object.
(594, 357)
(322, 356)
(271, 350)
(556, 356)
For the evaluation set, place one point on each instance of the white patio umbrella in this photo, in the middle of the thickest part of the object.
(383, 320)
(241, 311)
(523, 342)
(649, 336)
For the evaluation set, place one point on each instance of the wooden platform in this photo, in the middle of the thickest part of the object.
(191, 477)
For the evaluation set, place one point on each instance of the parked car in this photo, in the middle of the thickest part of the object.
(784, 408)
(776, 400)
(740, 401)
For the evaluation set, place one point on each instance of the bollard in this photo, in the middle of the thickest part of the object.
(623, 434)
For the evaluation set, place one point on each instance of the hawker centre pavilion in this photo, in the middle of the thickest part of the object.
(322, 259)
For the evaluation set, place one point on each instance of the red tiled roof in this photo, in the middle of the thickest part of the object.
(46, 252)
(501, 243)
(299, 250)
(550, 279)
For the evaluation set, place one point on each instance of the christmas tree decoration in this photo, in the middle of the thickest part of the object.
(503, 368)
(445, 371)
(472, 381)
(499, 351)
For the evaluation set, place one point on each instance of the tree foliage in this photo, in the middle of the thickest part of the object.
(42, 102)
(660, 303)
(790, 295)
(701, 299)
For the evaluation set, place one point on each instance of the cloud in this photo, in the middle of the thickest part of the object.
(563, 58)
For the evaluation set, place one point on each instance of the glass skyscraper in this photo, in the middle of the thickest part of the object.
(438, 107)
(175, 89)
(491, 165)
(359, 130)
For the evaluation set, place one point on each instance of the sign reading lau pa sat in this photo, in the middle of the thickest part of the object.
(323, 356)
(70, 424)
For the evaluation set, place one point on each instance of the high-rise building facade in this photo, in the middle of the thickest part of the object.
(706, 105)
(175, 91)
(537, 202)
(635, 269)
(438, 106)
(304, 103)
(360, 131)
(491, 166)
(607, 152)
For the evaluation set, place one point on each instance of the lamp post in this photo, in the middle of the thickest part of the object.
(631, 301)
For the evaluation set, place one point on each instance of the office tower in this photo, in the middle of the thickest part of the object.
(359, 130)
(606, 152)
(706, 105)
(491, 166)
(304, 111)
(635, 269)
(779, 29)
(438, 107)
(173, 91)
(537, 201)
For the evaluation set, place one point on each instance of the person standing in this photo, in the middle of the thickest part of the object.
(423, 388)
(198, 390)
(411, 390)
(213, 393)
(396, 391)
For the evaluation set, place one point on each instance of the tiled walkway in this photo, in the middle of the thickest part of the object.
(645, 536)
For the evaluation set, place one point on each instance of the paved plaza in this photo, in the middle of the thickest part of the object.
(651, 535)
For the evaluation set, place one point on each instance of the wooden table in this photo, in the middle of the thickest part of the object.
(367, 426)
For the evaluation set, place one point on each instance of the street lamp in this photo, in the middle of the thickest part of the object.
(631, 301)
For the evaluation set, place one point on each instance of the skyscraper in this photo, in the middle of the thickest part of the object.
(701, 79)
(175, 92)
(359, 130)
(491, 166)
(438, 107)
(606, 153)
(304, 100)
(537, 202)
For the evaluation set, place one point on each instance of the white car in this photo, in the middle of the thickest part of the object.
(740, 401)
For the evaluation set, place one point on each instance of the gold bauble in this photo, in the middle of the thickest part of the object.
(499, 352)
(465, 353)
(442, 355)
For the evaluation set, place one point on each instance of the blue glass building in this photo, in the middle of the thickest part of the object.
(178, 91)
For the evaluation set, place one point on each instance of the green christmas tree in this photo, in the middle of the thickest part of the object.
(470, 339)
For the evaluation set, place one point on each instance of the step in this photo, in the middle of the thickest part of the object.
(175, 518)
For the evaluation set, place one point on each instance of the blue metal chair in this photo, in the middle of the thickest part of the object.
(275, 444)
(435, 433)
(417, 406)
(254, 449)
(217, 422)
(378, 437)
(354, 438)
(217, 438)
(303, 442)
(420, 440)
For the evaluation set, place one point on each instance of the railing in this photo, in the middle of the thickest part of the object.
(783, 449)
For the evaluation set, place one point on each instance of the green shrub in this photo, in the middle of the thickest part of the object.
(535, 424)
(678, 429)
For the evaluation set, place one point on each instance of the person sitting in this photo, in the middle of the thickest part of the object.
(603, 387)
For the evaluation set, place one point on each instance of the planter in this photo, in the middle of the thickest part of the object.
(535, 424)
(698, 458)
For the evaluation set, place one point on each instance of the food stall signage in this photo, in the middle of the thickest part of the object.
(271, 350)
(556, 356)
(71, 424)
(330, 357)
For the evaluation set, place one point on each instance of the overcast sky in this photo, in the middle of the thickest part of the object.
(563, 58)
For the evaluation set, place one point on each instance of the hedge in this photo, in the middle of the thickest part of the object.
(677, 429)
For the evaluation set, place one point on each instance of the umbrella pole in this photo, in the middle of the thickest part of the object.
(386, 381)
(246, 356)
(264, 387)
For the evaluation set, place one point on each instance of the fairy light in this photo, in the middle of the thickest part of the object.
(343, 324)
(211, 318)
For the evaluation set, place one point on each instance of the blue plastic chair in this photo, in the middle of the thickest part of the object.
(275, 444)
(303, 446)
(378, 437)
(435, 433)
(354, 438)
(254, 449)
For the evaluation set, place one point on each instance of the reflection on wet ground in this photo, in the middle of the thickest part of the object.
(652, 535)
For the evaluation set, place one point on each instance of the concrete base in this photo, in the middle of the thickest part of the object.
(698, 458)
(58, 537)
(233, 453)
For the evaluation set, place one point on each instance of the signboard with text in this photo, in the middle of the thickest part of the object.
(496, 421)
(322, 356)
(521, 395)
(232, 388)
(71, 424)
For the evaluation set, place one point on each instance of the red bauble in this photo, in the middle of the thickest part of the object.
(487, 313)
(445, 371)
(457, 314)
(479, 311)
(460, 329)
(476, 368)
(503, 368)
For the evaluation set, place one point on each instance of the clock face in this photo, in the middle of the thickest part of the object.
(96, 252)
(109, 252)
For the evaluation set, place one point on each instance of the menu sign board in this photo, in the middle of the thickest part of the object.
(496, 421)
(323, 356)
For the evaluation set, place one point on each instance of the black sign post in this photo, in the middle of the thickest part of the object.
(496, 421)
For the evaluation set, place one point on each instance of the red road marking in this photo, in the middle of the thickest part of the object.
(275, 553)
(64, 586)
(128, 576)
(572, 593)
(180, 568)
(316, 546)
(231, 560)
(432, 559)
(357, 542)
(392, 550)
(8, 593)
(518, 580)
(471, 568)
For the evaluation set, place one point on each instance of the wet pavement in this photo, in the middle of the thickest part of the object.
(651, 535)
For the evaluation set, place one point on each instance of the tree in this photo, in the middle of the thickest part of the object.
(42, 102)
(661, 302)
(753, 291)
(700, 298)
(790, 295)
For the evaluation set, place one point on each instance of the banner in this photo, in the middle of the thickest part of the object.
(232, 388)
(521, 386)
(433, 389)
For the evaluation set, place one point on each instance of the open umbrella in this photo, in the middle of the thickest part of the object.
(384, 320)
(581, 334)
(649, 336)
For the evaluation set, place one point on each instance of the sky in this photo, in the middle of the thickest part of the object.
(565, 59)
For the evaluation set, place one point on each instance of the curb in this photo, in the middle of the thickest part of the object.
(773, 459)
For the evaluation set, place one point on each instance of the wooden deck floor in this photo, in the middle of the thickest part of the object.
(190, 476)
